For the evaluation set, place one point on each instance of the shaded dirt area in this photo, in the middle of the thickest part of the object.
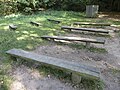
(76, 55)
(115, 16)
(28, 79)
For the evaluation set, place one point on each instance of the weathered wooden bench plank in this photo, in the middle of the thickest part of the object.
(55, 21)
(35, 23)
(12, 27)
(94, 24)
(86, 29)
(74, 39)
(80, 69)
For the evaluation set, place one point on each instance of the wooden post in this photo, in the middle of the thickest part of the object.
(88, 44)
(76, 79)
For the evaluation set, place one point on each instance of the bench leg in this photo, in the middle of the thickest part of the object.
(88, 44)
(76, 79)
(112, 34)
(78, 25)
(52, 39)
(13, 58)
(72, 25)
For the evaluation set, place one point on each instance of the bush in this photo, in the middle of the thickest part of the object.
(29, 6)
(27, 10)
(7, 8)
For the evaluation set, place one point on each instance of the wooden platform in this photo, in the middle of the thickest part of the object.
(79, 69)
(87, 40)
(94, 24)
(86, 29)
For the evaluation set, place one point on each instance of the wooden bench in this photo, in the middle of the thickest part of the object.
(85, 29)
(35, 23)
(12, 27)
(40, 9)
(55, 21)
(78, 69)
(87, 40)
(94, 24)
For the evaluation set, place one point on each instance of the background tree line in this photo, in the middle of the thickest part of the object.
(30, 6)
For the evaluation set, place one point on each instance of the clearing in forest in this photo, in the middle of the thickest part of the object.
(34, 76)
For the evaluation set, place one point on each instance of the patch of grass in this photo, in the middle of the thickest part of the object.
(77, 46)
(114, 71)
(5, 80)
(116, 22)
(93, 84)
(27, 36)
(99, 50)
(55, 72)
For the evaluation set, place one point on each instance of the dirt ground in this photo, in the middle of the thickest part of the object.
(28, 79)
(110, 15)
(104, 61)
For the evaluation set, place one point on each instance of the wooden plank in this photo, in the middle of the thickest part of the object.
(81, 69)
(95, 24)
(86, 29)
(55, 21)
(35, 23)
(75, 39)
(12, 27)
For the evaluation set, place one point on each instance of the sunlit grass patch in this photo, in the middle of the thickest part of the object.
(27, 35)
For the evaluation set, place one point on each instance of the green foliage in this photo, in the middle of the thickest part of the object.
(93, 84)
(7, 7)
(11, 6)
(5, 80)
(28, 10)
(75, 5)
(1, 9)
